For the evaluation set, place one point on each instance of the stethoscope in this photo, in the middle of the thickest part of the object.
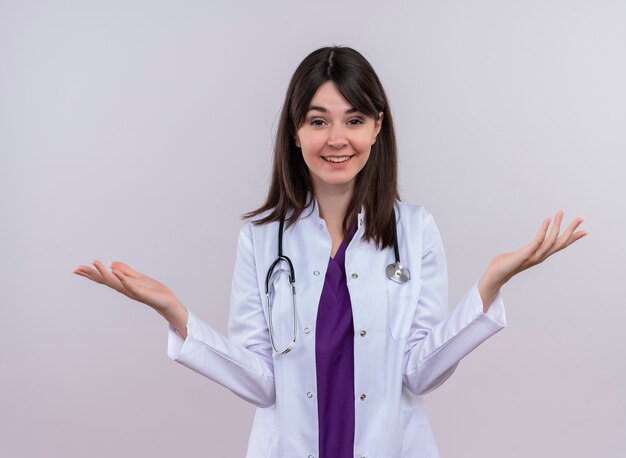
(395, 272)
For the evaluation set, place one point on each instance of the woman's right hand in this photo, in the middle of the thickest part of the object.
(132, 284)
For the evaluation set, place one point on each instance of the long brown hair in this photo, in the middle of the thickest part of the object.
(376, 187)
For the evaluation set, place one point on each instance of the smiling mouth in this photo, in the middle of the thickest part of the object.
(336, 159)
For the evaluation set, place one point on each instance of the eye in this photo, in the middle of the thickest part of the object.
(355, 122)
(317, 122)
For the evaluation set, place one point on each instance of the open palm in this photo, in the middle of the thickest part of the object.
(506, 265)
(130, 283)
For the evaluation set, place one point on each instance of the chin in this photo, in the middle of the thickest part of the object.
(334, 182)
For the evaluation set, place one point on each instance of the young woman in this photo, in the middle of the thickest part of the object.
(339, 309)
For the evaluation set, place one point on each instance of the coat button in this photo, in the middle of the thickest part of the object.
(363, 397)
(355, 276)
(362, 333)
(309, 395)
(310, 456)
(316, 272)
(307, 330)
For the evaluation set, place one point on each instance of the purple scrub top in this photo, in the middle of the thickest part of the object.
(334, 359)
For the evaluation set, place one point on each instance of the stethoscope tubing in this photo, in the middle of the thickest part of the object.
(292, 282)
(395, 272)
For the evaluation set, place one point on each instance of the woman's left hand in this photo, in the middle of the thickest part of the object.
(506, 265)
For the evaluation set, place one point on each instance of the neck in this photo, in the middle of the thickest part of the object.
(333, 204)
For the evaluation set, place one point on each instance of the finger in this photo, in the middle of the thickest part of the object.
(535, 243)
(528, 251)
(541, 234)
(568, 237)
(80, 268)
(547, 245)
(124, 268)
(108, 278)
(563, 239)
(126, 282)
(88, 272)
(576, 236)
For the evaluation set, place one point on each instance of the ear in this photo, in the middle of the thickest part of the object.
(377, 125)
(297, 140)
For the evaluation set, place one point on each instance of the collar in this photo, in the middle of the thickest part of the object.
(314, 213)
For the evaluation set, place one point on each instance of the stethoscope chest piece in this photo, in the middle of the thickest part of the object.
(398, 273)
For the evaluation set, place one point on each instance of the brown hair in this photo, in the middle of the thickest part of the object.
(376, 186)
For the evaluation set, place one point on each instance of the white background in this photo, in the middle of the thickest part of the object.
(140, 131)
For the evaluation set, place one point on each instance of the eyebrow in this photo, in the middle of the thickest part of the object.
(325, 110)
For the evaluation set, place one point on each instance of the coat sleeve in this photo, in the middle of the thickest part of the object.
(243, 361)
(439, 339)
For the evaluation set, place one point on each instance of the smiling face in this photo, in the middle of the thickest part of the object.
(335, 139)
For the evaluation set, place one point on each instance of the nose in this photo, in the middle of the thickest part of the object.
(337, 136)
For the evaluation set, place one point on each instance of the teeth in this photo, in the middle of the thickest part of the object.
(337, 159)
